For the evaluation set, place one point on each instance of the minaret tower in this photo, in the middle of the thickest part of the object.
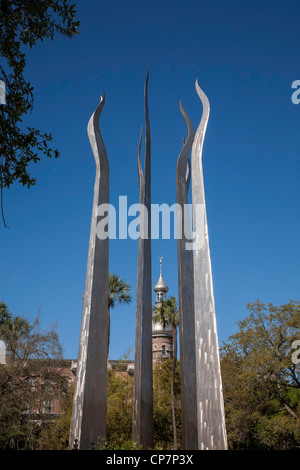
(162, 339)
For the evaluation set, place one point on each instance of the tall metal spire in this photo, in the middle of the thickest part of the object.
(142, 428)
(210, 404)
(203, 417)
(89, 403)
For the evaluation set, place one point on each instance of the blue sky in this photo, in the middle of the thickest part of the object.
(245, 56)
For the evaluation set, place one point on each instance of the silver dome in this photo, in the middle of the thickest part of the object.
(158, 329)
(161, 286)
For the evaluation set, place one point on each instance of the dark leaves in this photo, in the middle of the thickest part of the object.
(25, 22)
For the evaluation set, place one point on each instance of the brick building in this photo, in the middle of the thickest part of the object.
(162, 337)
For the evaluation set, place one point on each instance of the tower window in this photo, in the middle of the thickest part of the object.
(163, 350)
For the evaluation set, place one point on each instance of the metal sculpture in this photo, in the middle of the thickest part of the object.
(88, 424)
(210, 404)
(210, 418)
(186, 294)
(142, 428)
(203, 422)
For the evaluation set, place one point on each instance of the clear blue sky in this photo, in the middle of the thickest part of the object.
(246, 56)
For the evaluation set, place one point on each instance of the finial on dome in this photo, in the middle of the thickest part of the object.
(160, 262)
(160, 286)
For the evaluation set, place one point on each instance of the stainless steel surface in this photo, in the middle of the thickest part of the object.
(186, 296)
(210, 405)
(142, 429)
(89, 407)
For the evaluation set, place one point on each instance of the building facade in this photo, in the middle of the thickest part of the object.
(162, 336)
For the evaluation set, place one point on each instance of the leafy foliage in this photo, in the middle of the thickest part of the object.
(163, 435)
(119, 292)
(119, 409)
(55, 434)
(261, 383)
(166, 312)
(27, 377)
(23, 23)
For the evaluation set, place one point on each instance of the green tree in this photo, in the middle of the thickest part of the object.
(119, 405)
(163, 431)
(261, 382)
(55, 434)
(5, 315)
(23, 23)
(166, 312)
(119, 291)
(24, 376)
(119, 408)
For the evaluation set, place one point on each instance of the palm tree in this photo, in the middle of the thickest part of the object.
(166, 312)
(5, 315)
(119, 291)
(12, 329)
